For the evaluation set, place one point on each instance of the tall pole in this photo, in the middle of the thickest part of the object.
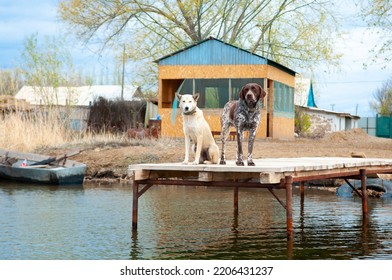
(288, 182)
(135, 204)
(362, 173)
(123, 73)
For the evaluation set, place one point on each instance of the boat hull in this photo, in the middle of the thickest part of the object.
(72, 173)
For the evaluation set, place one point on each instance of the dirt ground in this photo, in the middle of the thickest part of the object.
(110, 160)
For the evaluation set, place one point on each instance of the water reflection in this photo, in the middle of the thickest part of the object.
(94, 222)
(326, 227)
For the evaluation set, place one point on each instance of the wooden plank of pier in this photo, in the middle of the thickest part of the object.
(268, 173)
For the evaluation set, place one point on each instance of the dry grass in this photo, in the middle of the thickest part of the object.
(25, 133)
(29, 133)
(48, 133)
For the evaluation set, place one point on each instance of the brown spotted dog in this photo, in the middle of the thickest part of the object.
(244, 115)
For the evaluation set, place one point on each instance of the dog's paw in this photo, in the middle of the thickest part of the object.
(239, 163)
(251, 163)
(185, 162)
(222, 161)
(194, 162)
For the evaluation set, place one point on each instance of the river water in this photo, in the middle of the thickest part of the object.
(178, 222)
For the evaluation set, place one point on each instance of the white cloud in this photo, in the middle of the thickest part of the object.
(351, 89)
(20, 19)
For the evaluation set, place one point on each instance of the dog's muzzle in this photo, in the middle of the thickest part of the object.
(188, 111)
(250, 97)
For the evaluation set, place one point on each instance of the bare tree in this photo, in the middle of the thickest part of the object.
(10, 81)
(378, 16)
(292, 32)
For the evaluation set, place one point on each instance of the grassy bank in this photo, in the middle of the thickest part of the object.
(30, 133)
(48, 135)
(26, 133)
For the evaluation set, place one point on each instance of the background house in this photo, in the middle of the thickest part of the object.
(76, 101)
(322, 121)
(76, 96)
(218, 71)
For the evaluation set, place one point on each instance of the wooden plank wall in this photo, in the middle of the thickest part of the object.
(224, 71)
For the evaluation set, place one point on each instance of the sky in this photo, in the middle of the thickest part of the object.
(19, 19)
(349, 90)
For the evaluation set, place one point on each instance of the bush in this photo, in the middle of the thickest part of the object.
(302, 122)
(115, 116)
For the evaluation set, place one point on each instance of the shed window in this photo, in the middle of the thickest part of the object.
(283, 98)
(237, 84)
(215, 93)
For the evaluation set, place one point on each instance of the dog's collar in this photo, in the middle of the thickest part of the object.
(190, 112)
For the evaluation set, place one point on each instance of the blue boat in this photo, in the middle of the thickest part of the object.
(41, 169)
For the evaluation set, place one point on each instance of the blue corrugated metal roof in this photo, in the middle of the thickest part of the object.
(212, 51)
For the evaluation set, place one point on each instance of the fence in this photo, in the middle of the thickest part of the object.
(368, 125)
(380, 126)
(384, 126)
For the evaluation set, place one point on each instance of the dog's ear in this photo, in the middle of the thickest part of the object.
(178, 96)
(241, 94)
(196, 96)
(262, 92)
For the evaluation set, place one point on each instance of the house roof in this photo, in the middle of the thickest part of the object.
(212, 51)
(323, 111)
(77, 96)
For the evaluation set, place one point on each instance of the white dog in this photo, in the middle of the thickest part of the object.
(197, 130)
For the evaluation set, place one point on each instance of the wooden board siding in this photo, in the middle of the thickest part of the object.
(224, 71)
(283, 128)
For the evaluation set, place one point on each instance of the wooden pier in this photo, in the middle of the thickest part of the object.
(269, 173)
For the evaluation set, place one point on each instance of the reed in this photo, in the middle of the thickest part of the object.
(39, 132)
(27, 132)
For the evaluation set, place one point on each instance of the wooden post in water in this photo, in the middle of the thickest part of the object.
(288, 183)
(135, 202)
(236, 201)
(362, 172)
(302, 201)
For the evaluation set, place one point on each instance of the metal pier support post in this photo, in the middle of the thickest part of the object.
(302, 201)
(236, 201)
(302, 190)
(288, 183)
(362, 173)
(135, 202)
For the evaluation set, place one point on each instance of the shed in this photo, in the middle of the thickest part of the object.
(218, 71)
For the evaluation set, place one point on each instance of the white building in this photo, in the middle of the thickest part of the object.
(322, 121)
(77, 100)
(76, 96)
